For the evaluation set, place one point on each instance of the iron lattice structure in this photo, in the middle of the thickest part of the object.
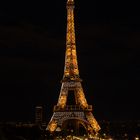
(71, 81)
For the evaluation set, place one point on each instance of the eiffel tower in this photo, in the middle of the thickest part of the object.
(78, 115)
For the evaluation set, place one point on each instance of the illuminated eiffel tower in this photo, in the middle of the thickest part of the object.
(78, 115)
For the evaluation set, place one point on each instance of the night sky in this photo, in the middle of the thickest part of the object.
(32, 52)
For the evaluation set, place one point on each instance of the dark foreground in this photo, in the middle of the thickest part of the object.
(129, 130)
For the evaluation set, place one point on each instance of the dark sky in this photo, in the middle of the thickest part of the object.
(32, 51)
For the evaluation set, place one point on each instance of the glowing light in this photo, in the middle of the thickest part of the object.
(62, 100)
(52, 126)
(93, 122)
(71, 66)
(81, 98)
(136, 138)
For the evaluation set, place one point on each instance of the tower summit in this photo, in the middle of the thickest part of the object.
(79, 115)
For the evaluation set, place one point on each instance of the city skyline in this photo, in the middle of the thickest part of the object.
(32, 59)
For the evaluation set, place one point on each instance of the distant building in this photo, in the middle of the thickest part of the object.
(38, 115)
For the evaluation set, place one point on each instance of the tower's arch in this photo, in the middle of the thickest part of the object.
(75, 126)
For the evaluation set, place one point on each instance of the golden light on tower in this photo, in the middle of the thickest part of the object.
(52, 126)
(80, 112)
(71, 66)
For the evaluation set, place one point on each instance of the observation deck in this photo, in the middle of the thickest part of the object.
(72, 108)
